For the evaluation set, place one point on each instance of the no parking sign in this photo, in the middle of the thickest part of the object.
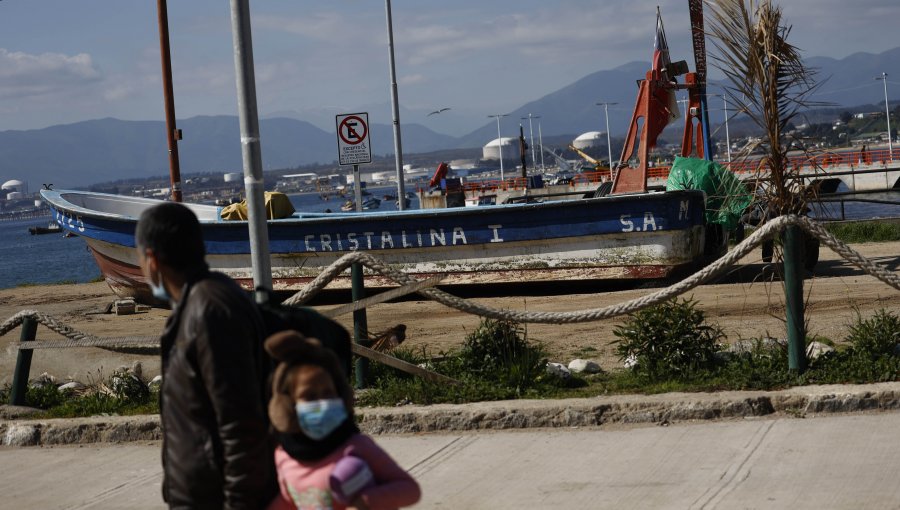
(353, 139)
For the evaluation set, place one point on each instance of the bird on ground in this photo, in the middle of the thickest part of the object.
(437, 111)
(48, 186)
(388, 339)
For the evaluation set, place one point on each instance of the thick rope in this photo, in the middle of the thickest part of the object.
(711, 271)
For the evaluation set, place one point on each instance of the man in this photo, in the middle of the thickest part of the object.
(215, 450)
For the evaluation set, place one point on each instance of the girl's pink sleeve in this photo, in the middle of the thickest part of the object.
(394, 487)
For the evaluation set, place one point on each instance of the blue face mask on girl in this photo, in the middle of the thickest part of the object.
(319, 418)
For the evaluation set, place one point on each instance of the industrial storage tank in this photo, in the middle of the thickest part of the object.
(590, 139)
(15, 185)
(15, 195)
(232, 177)
(509, 146)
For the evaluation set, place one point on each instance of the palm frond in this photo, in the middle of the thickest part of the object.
(769, 83)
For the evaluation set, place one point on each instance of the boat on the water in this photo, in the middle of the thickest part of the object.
(52, 228)
(621, 237)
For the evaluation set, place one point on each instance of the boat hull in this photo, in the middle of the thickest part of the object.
(623, 237)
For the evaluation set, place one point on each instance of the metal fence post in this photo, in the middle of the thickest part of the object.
(360, 324)
(23, 364)
(793, 296)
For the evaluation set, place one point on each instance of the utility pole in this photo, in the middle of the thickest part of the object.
(608, 139)
(887, 114)
(395, 113)
(499, 140)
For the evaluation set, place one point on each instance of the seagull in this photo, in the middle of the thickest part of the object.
(48, 186)
(437, 111)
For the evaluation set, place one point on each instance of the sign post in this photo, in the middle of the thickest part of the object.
(354, 148)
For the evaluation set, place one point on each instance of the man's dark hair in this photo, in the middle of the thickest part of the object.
(172, 231)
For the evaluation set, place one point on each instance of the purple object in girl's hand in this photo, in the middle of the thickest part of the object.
(350, 476)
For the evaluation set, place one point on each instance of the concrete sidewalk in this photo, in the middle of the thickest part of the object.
(828, 462)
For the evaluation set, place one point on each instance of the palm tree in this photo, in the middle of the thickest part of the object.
(769, 83)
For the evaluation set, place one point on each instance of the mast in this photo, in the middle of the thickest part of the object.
(173, 134)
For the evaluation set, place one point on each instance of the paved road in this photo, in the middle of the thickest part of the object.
(837, 462)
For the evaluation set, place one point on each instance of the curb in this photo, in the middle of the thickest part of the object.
(661, 409)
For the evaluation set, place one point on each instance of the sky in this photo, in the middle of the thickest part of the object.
(63, 61)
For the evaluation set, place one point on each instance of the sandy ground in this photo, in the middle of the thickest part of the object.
(746, 304)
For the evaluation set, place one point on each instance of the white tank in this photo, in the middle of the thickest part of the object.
(232, 177)
(15, 185)
(590, 139)
(15, 195)
(509, 146)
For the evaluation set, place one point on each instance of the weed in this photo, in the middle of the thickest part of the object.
(865, 231)
(669, 340)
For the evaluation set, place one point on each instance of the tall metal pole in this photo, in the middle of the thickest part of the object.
(250, 147)
(608, 139)
(727, 137)
(395, 112)
(172, 133)
(531, 135)
(541, 141)
(887, 114)
(499, 141)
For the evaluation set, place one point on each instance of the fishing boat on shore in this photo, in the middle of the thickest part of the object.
(622, 237)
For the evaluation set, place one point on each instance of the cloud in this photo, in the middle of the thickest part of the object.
(24, 75)
(412, 79)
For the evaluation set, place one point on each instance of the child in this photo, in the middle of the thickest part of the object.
(312, 413)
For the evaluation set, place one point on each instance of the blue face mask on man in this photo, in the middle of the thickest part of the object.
(319, 418)
(159, 290)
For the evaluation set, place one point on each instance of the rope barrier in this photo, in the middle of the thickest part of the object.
(711, 271)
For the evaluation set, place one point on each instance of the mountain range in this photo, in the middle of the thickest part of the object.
(109, 149)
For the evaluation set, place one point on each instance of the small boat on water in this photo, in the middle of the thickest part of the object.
(52, 228)
(368, 204)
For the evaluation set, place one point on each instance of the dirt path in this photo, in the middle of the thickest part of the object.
(747, 306)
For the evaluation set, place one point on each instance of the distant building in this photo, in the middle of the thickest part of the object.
(589, 140)
(508, 145)
(15, 185)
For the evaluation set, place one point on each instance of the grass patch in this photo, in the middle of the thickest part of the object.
(865, 231)
(120, 394)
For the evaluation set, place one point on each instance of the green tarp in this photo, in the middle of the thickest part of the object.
(726, 195)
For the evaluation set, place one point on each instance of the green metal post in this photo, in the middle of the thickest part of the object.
(360, 324)
(793, 296)
(23, 364)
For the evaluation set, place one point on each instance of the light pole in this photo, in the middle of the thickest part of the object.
(727, 136)
(499, 140)
(531, 131)
(395, 112)
(887, 114)
(608, 142)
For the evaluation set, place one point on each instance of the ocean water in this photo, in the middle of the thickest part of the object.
(52, 258)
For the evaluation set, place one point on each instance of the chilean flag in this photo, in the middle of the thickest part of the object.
(664, 105)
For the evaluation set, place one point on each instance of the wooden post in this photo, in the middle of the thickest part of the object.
(23, 364)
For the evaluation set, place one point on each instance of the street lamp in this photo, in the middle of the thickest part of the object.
(531, 130)
(727, 137)
(608, 142)
(887, 114)
(499, 140)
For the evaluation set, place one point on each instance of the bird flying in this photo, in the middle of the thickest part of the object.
(437, 111)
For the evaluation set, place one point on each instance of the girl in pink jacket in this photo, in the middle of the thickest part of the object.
(323, 461)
